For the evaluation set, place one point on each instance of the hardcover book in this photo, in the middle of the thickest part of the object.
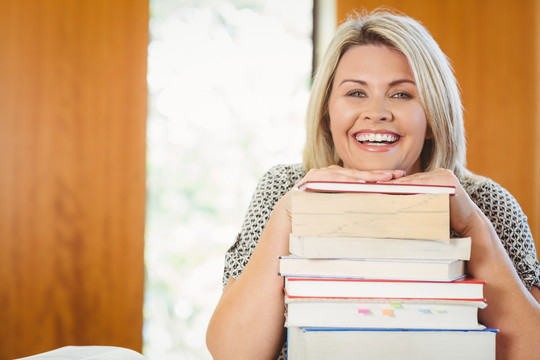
(381, 188)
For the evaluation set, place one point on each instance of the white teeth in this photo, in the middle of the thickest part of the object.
(371, 137)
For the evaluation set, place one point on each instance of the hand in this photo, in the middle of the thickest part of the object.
(338, 173)
(462, 209)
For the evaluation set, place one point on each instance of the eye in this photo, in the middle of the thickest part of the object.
(401, 95)
(356, 93)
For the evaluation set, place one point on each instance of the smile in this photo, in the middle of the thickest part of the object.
(376, 139)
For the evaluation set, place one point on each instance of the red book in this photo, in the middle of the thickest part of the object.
(381, 188)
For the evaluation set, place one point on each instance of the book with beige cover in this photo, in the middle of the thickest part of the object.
(371, 215)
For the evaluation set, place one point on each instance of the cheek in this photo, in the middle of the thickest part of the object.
(342, 116)
(419, 125)
(334, 117)
(422, 130)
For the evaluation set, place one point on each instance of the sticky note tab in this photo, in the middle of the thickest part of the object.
(425, 311)
(388, 312)
(395, 305)
(441, 311)
(364, 311)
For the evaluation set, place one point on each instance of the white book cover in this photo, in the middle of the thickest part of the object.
(409, 269)
(88, 353)
(384, 313)
(466, 289)
(390, 344)
(382, 248)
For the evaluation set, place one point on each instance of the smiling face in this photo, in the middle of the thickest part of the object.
(376, 117)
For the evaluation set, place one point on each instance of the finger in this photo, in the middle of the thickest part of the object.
(347, 174)
(337, 173)
(434, 177)
(380, 175)
(396, 174)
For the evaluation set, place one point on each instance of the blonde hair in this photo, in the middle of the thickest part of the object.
(434, 77)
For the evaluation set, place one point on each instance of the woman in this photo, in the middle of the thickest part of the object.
(384, 107)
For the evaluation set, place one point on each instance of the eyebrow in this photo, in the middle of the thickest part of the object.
(392, 83)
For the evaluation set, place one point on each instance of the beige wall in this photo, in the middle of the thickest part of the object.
(72, 173)
(494, 46)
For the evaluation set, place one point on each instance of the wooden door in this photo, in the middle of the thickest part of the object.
(494, 46)
(72, 173)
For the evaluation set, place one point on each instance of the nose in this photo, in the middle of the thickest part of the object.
(376, 110)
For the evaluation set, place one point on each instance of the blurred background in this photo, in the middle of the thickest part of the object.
(133, 133)
(228, 87)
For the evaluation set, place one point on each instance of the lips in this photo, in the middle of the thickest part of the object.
(376, 138)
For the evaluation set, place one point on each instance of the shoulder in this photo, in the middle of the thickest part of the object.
(273, 184)
(500, 207)
(286, 171)
(489, 195)
(282, 176)
(510, 223)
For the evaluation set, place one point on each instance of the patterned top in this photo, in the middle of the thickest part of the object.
(500, 207)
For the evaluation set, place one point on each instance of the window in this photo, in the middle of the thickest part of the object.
(228, 88)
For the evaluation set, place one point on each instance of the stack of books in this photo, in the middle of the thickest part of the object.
(373, 273)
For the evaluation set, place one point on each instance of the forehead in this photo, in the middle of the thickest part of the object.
(373, 61)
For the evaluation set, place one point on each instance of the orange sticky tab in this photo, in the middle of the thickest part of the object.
(388, 312)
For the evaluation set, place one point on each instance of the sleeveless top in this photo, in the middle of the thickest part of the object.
(499, 206)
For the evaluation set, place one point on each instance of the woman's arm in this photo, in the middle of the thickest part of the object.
(512, 309)
(248, 322)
